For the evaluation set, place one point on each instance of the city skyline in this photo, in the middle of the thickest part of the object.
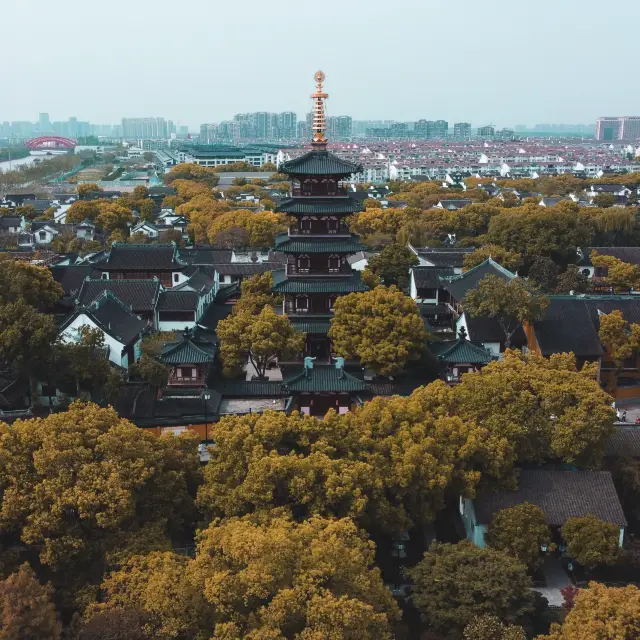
(490, 65)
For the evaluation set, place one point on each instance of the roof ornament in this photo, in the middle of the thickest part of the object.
(319, 127)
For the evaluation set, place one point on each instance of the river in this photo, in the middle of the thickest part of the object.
(14, 164)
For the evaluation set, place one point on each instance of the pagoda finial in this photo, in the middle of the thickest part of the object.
(319, 127)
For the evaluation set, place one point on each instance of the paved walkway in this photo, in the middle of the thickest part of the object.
(556, 579)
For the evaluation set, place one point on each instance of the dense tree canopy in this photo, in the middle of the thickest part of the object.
(510, 302)
(392, 265)
(381, 327)
(601, 613)
(620, 275)
(508, 259)
(195, 172)
(487, 627)
(619, 337)
(456, 582)
(520, 531)
(95, 476)
(591, 541)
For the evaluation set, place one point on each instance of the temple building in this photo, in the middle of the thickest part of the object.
(318, 241)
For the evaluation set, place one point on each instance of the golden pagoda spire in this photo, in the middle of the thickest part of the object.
(319, 126)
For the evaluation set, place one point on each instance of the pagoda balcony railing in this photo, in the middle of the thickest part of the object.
(179, 381)
(291, 310)
(292, 270)
(297, 192)
(320, 233)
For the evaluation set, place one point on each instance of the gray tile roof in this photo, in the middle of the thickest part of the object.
(429, 277)
(178, 300)
(72, 278)
(459, 285)
(625, 441)
(141, 257)
(560, 494)
(626, 254)
(140, 295)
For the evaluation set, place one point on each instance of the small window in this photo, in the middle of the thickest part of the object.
(105, 276)
(176, 277)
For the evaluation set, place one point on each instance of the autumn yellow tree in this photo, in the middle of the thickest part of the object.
(26, 608)
(514, 398)
(591, 541)
(255, 294)
(619, 337)
(508, 259)
(620, 275)
(257, 339)
(274, 577)
(72, 482)
(599, 613)
(88, 188)
(192, 172)
(381, 327)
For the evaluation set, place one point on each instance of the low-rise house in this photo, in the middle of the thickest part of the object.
(459, 356)
(178, 310)
(147, 229)
(140, 295)
(189, 359)
(39, 206)
(452, 257)
(121, 328)
(233, 273)
(143, 262)
(12, 224)
(453, 204)
(552, 201)
(560, 494)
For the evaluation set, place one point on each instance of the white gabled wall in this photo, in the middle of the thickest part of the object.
(71, 334)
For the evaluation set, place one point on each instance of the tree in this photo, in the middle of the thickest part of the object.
(112, 216)
(514, 398)
(275, 577)
(88, 188)
(146, 210)
(74, 482)
(544, 272)
(148, 156)
(591, 541)
(620, 275)
(148, 368)
(520, 531)
(119, 624)
(454, 583)
(572, 280)
(258, 339)
(508, 259)
(162, 587)
(26, 608)
(392, 265)
(381, 327)
(193, 172)
(604, 200)
(82, 210)
(620, 338)
(372, 203)
(256, 292)
(491, 628)
(231, 238)
(510, 302)
(34, 284)
(601, 612)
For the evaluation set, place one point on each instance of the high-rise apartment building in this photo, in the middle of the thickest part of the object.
(618, 128)
(487, 132)
(43, 123)
(287, 125)
(462, 130)
(339, 127)
(431, 129)
(144, 128)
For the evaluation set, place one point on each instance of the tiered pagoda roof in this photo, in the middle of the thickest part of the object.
(320, 163)
(324, 244)
(319, 206)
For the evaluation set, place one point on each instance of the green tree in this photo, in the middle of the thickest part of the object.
(591, 541)
(381, 327)
(257, 339)
(510, 302)
(601, 613)
(26, 608)
(544, 272)
(392, 265)
(572, 280)
(604, 200)
(508, 259)
(148, 156)
(520, 531)
(454, 583)
(146, 210)
(491, 628)
(256, 293)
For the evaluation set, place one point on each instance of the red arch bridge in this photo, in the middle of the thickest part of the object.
(50, 142)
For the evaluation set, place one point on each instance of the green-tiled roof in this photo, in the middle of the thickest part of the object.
(324, 379)
(320, 285)
(319, 163)
(319, 245)
(187, 352)
(454, 351)
(311, 325)
(319, 206)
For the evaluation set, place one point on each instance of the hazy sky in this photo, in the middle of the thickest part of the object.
(193, 61)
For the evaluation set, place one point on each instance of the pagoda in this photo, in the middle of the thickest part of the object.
(318, 241)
